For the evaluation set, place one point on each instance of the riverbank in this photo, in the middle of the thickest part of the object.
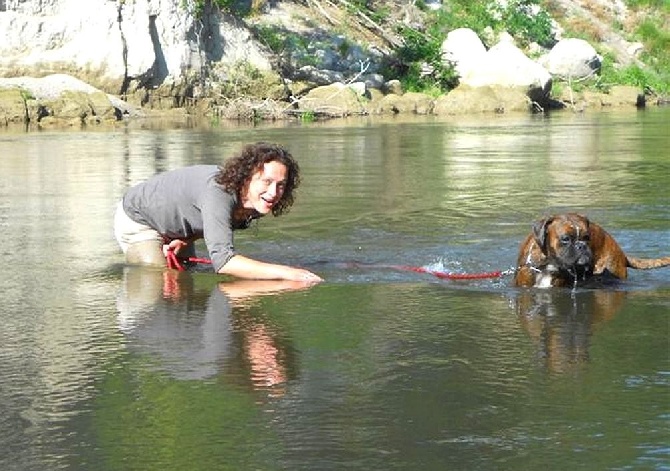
(313, 61)
(64, 101)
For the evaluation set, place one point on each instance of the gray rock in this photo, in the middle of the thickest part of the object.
(572, 59)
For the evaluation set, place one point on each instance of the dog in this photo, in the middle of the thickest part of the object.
(568, 249)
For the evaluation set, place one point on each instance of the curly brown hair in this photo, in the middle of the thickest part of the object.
(235, 174)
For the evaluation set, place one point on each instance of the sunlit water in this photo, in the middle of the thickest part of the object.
(105, 366)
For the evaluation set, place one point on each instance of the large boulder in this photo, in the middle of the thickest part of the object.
(12, 106)
(462, 48)
(57, 97)
(486, 99)
(335, 100)
(77, 106)
(410, 102)
(572, 59)
(120, 45)
(505, 65)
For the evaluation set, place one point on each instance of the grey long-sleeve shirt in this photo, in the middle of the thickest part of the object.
(187, 204)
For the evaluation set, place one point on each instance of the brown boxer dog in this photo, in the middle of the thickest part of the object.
(565, 249)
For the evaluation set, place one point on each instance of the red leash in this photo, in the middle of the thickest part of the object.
(451, 276)
(178, 264)
(175, 263)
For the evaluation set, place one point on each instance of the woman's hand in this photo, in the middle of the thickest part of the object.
(175, 245)
(300, 274)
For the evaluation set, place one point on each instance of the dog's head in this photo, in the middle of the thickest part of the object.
(564, 239)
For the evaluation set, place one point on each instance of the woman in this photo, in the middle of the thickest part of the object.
(173, 209)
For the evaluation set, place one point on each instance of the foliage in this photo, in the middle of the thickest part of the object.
(654, 75)
(307, 117)
(197, 7)
(651, 29)
(644, 78)
(523, 19)
(656, 40)
(557, 88)
(27, 95)
(525, 22)
(280, 41)
(419, 63)
(661, 4)
(654, 34)
(648, 79)
(381, 14)
(464, 14)
(271, 38)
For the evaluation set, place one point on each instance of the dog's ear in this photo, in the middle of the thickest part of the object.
(540, 232)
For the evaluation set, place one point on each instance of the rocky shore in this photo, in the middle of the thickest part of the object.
(211, 66)
(62, 100)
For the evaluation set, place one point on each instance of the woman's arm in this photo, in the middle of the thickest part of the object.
(245, 289)
(244, 267)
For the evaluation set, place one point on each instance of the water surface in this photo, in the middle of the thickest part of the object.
(105, 366)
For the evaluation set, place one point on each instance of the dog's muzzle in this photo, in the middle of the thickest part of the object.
(577, 257)
(584, 255)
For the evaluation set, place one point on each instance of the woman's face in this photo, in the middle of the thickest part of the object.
(266, 187)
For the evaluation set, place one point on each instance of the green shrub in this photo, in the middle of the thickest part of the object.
(661, 4)
(418, 63)
(307, 117)
(280, 41)
(648, 79)
(523, 23)
(656, 41)
(523, 19)
(197, 7)
(464, 14)
(271, 38)
(654, 34)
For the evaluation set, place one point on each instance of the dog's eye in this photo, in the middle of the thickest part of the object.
(586, 238)
(565, 239)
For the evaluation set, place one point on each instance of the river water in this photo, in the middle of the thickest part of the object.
(104, 366)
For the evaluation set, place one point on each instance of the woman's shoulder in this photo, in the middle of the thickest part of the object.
(190, 172)
(214, 190)
(208, 171)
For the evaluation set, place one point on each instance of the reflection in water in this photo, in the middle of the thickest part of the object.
(196, 334)
(561, 322)
(395, 368)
